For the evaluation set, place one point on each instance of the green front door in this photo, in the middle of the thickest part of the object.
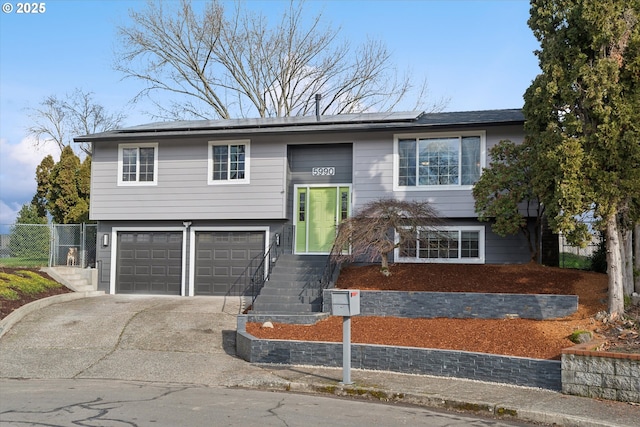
(318, 210)
(322, 219)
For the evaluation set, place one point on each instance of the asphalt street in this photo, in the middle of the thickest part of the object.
(114, 403)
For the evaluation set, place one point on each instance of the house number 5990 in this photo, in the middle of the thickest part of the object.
(323, 171)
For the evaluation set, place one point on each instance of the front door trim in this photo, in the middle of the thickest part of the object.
(295, 212)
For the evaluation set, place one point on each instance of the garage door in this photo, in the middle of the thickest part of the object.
(221, 258)
(149, 263)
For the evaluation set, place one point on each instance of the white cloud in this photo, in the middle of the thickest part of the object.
(18, 164)
(8, 213)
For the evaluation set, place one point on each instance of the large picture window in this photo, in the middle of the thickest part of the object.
(137, 164)
(228, 162)
(464, 244)
(439, 161)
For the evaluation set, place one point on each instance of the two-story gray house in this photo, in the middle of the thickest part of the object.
(182, 207)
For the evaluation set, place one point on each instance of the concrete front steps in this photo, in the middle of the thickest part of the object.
(74, 278)
(293, 287)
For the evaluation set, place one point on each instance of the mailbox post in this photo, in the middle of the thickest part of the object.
(345, 303)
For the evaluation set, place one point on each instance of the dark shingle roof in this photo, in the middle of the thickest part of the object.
(342, 122)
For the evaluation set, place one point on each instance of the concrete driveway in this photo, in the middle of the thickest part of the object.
(139, 338)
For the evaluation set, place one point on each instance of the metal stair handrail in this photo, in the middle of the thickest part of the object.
(328, 274)
(254, 277)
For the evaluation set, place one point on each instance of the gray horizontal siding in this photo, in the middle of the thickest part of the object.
(182, 191)
(373, 169)
(497, 134)
(373, 174)
(511, 249)
(499, 250)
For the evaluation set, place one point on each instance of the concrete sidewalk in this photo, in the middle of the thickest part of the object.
(486, 399)
(192, 340)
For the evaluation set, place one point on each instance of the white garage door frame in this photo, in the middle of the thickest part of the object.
(114, 251)
(192, 247)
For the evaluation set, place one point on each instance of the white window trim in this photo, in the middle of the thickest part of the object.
(121, 147)
(247, 160)
(479, 260)
(396, 158)
(192, 248)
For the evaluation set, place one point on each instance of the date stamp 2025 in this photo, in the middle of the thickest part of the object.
(25, 8)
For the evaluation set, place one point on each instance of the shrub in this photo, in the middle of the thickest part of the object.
(599, 258)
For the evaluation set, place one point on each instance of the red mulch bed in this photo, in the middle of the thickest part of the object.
(541, 339)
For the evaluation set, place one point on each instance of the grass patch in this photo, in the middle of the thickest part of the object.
(25, 282)
(569, 260)
(24, 262)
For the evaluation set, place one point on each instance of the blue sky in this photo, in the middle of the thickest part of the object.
(477, 53)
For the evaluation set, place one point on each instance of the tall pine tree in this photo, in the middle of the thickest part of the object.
(63, 187)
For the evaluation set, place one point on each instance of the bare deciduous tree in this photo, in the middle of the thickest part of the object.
(381, 226)
(58, 120)
(224, 64)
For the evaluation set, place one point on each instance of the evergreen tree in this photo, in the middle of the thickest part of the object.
(43, 174)
(507, 193)
(64, 190)
(583, 113)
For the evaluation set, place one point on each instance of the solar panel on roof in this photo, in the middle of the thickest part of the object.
(362, 121)
(276, 121)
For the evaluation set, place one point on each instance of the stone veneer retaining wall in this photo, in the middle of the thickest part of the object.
(459, 364)
(601, 374)
(462, 305)
(292, 319)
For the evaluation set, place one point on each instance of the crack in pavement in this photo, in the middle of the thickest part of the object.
(119, 340)
(75, 413)
(273, 412)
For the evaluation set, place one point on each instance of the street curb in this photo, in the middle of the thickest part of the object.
(485, 409)
(17, 315)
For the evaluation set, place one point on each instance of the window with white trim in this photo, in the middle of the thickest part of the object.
(137, 164)
(228, 162)
(462, 244)
(438, 161)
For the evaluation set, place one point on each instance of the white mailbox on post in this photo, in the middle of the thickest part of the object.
(345, 302)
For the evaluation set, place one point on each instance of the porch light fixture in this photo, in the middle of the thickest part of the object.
(105, 240)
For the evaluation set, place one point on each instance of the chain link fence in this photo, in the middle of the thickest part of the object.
(42, 245)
